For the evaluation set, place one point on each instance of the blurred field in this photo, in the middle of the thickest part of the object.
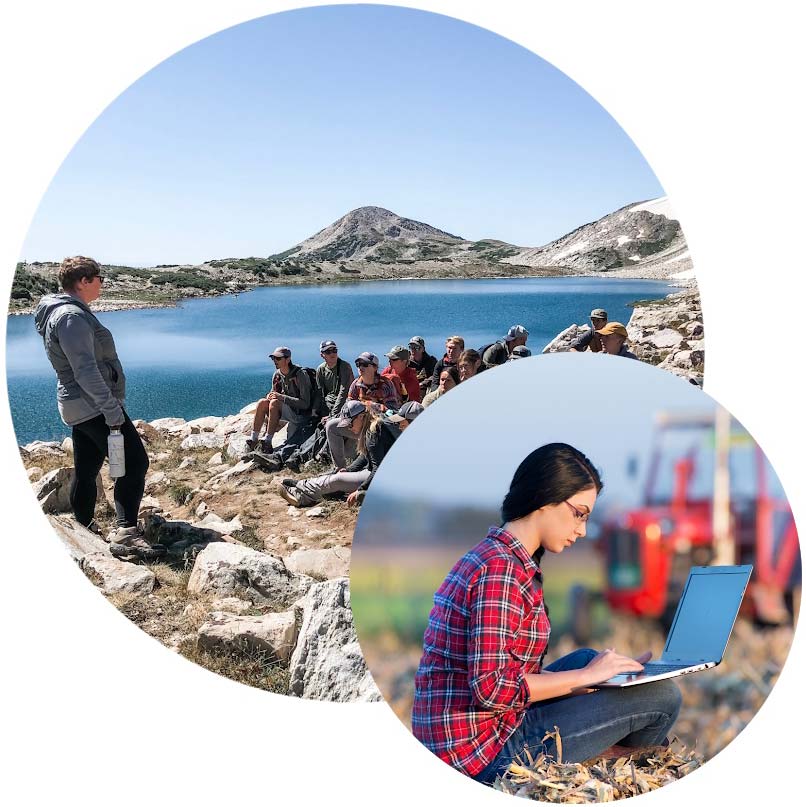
(717, 703)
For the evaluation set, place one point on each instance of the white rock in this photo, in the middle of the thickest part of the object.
(156, 480)
(294, 512)
(211, 521)
(233, 424)
(249, 409)
(78, 539)
(203, 440)
(320, 563)
(205, 424)
(232, 605)
(666, 338)
(216, 459)
(202, 509)
(186, 463)
(162, 456)
(67, 445)
(293, 540)
(168, 426)
(35, 473)
(53, 490)
(227, 569)
(243, 467)
(149, 504)
(43, 448)
(235, 446)
(315, 512)
(327, 664)
(276, 632)
(114, 576)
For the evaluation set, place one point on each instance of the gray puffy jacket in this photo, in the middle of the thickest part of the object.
(82, 352)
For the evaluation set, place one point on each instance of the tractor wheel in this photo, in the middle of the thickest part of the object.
(580, 614)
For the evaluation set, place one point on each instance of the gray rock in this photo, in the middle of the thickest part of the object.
(213, 522)
(243, 467)
(35, 473)
(216, 459)
(156, 480)
(168, 426)
(159, 530)
(44, 448)
(235, 446)
(205, 424)
(666, 338)
(327, 663)
(187, 462)
(275, 633)
(321, 563)
(315, 512)
(202, 509)
(67, 445)
(203, 440)
(115, 576)
(232, 605)
(225, 569)
(53, 490)
(78, 539)
(149, 504)
(235, 423)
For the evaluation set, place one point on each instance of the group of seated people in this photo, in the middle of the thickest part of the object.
(363, 414)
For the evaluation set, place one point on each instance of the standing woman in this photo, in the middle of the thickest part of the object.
(482, 694)
(90, 393)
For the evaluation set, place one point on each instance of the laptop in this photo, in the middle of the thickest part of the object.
(701, 627)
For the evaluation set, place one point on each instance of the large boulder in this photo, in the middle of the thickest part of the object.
(235, 423)
(324, 564)
(168, 427)
(562, 342)
(52, 491)
(225, 569)
(78, 539)
(275, 633)
(327, 664)
(178, 536)
(205, 424)
(42, 448)
(203, 440)
(115, 576)
(147, 432)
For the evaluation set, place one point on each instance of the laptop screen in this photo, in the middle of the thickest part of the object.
(706, 614)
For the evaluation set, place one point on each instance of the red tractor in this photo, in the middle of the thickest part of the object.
(710, 497)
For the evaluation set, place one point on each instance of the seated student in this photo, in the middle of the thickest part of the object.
(448, 379)
(590, 340)
(469, 364)
(498, 352)
(519, 352)
(422, 363)
(333, 378)
(613, 336)
(375, 435)
(454, 345)
(403, 377)
(370, 388)
(288, 402)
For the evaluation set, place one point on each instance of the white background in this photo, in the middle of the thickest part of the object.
(96, 710)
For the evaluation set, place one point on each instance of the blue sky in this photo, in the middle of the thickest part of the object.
(255, 138)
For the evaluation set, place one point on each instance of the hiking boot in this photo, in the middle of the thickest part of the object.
(251, 445)
(293, 462)
(265, 446)
(293, 496)
(128, 543)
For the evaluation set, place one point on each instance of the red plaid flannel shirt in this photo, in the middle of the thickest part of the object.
(487, 629)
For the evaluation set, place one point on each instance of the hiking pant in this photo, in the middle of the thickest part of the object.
(89, 451)
(590, 723)
(341, 441)
(318, 486)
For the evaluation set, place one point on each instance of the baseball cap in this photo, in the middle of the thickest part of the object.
(521, 352)
(515, 332)
(417, 340)
(398, 352)
(598, 313)
(366, 356)
(350, 410)
(613, 327)
(328, 343)
(408, 411)
(281, 352)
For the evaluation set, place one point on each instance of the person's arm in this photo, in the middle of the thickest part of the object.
(378, 445)
(606, 664)
(581, 342)
(346, 379)
(303, 401)
(352, 393)
(496, 611)
(77, 341)
(391, 400)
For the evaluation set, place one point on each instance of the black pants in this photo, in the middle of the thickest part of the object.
(89, 451)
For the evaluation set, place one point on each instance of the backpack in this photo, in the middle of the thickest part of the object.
(483, 350)
(317, 401)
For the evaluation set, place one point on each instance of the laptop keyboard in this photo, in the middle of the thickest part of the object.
(656, 668)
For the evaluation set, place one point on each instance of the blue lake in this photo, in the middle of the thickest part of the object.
(209, 356)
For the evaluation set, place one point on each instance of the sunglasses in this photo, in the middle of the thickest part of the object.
(579, 515)
(362, 364)
(275, 359)
(330, 351)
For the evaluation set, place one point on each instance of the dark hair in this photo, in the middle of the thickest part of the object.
(74, 269)
(549, 475)
(452, 372)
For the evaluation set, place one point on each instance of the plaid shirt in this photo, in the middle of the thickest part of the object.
(487, 629)
(381, 391)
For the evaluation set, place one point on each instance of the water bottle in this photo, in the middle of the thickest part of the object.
(117, 456)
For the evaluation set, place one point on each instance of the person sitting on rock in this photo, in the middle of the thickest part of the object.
(454, 345)
(613, 336)
(403, 376)
(422, 363)
(333, 378)
(519, 352)
(498, 352)
(369, 388)
(448, 379)
(469, 364)
(590, 340)
(375, 435)
(288, 402)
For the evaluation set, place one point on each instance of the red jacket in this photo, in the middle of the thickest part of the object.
(407, 379)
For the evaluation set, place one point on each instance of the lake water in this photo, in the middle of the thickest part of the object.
(209, 356)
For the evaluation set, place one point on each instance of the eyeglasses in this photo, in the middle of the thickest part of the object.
(90, 278)
(330, 351)
(578, 514)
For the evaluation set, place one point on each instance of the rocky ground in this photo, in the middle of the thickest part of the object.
(667, 333)
(251, 588)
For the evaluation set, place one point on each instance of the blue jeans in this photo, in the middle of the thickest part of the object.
(590, 723)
